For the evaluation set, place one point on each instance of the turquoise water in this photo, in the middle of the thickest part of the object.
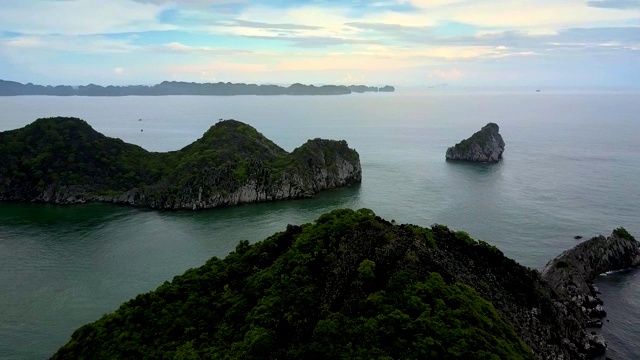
(571, 167)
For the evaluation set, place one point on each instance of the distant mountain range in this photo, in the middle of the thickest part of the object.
(12, 88)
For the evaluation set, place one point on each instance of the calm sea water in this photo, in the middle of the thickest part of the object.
(571, 167)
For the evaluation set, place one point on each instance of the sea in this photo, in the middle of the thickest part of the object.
(571, 167)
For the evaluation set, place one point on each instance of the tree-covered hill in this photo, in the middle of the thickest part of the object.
(68, 151)
(64, 160)
(348, 286)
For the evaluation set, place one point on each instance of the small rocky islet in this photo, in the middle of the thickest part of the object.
(65, 161)
(484, 146)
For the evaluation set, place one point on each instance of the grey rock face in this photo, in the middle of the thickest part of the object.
(324, 164)
(485, 145)
(572, 272)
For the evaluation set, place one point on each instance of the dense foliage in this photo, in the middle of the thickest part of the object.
(348, 286)
(623, 233)
(66, 152)
(481, 137)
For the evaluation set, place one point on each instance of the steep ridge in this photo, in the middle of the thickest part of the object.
(350, 285)
(65, 161)
(485, 145)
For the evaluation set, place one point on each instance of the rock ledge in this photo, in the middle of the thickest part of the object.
(571, 275)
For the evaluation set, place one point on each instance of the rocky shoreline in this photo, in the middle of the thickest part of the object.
(571, 275)
(304, 182)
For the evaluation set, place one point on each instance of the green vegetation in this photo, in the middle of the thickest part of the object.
(480, 137)
(340, 288)
(623, 233)
(66, 152)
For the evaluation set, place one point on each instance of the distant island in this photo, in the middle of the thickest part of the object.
(65, 161)
(352, 285)
(12, 88)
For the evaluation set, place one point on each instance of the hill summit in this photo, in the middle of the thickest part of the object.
(65, 161)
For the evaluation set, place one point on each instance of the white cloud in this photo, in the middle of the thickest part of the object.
(70, 44)
(533, 14)
(450, 74)
(78, 17)
(179, 48)
(269, 43)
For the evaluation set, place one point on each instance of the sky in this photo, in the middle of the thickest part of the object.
(397, 42)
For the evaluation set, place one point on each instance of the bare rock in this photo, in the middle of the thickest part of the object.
(485, 145)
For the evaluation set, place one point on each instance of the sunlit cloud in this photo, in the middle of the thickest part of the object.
(451, 74)
(616, 4)
(383, 41)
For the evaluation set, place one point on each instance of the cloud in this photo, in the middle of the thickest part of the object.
(70, 44)
(616, 4)
(451, 74)
(353, 79)
(77, 17)
(119, 71)
(530, 15)
(382, 27)
(315, 39)
(196, 3)
(179, 48)
(103, 45)
(310, 42)
(262, 25)
(393, 31)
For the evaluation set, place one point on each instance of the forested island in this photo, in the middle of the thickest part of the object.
(65, 161)
(352, 285)
(12, 88)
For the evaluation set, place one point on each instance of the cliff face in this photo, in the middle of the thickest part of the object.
(317, 165)
(571, 275)
(64, 161)
(485, 145)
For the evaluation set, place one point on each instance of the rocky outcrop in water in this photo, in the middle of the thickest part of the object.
(485, 145)
(65, 161)
(571, 275)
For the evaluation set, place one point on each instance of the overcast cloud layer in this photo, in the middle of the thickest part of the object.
(400, 42)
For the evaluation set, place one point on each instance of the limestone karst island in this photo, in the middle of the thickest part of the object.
(65, 161)
(485, 145)
(352, 285)
(12, 88)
